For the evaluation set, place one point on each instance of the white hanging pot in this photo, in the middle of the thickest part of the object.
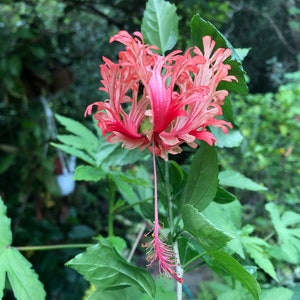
(66, 183)
(65, 180)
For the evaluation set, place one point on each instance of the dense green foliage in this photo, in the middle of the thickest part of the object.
(50, 52)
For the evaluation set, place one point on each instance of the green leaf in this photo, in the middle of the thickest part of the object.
(76, 152)
(23, 279)
(165, 289)
(242, 52)
(230, 222)
(104, 267)
(229, 140)
(6, 162)
(89, 138)
(125, 187)
(231, 216)
(228, 113)
(5, 240)
(80, 232)
(160, 24)
(200, 28)
(202, 181)
(276, 293)
(15, 65)
(15, 87)
(188, 248)
(89, 173)
(257, 249)
(38, 52)
(223, 196)
(126, 294)
(118, 156)
(103, 152)
(288, 230)
(296, 291)
(5, 236)
(2, 278)
(77, 142)
(118, 243)
(220, 260)
(206, 233)
(238, 180)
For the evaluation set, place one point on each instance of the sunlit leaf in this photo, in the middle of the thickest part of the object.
(235, 179)
(242, 52)
(5, 236)
(226, 263)
(23, 279)
(89, 173)
(206, 233)
(276, 293)
(160, 24)
(118, 243)
(229, 140)
(230, 222)
(104, 267)
(257, 249)
(202, 182)
(2, 279)
(287, 227)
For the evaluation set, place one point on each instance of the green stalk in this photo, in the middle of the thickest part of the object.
(51, 247)
(111, 205)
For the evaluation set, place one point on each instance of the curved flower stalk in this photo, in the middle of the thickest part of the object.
(159, 103)
(169, 100)
(157, 250)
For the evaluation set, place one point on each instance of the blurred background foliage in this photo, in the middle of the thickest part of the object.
(49, 56)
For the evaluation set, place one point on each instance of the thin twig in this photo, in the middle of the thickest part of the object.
(136, 242)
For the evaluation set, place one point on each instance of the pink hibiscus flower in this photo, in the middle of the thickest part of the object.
(162, 101)
(159, 103)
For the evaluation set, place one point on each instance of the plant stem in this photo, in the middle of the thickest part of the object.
(125, 207)
(195, 258)
(269, 236)
(111, 205)
(179, 269)
(52, 247)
